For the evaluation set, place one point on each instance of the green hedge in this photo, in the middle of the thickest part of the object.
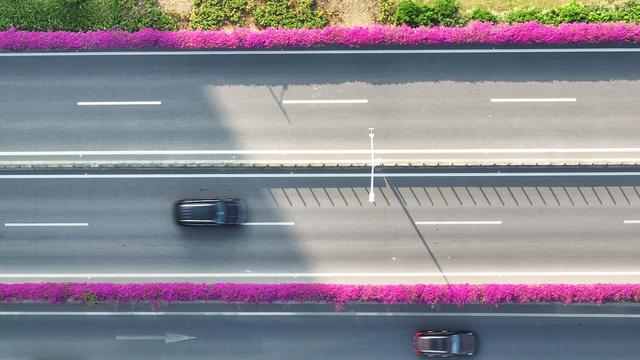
(447, 12)
(289, 14)
(482, 14)
(437, 12)
(77, 15)
(214, 14)
(628, 11)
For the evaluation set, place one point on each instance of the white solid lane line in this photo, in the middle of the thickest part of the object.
(353, 101)
(276, 275)
(269, 223)
(310, 175)
(314, 313)
(492, 222)
(319, 52)
(45, 224)
(533, 100)
(319, 152)
(632, 221)
(117, 103)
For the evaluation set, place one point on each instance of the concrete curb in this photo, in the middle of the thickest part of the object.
(199, 306)
(154, 164)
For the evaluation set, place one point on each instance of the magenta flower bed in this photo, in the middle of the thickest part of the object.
(155, 293)
(473, 33)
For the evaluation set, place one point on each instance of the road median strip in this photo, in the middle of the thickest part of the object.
(339, 295)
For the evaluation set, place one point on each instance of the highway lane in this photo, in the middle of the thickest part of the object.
(419, 101)
(309, 337)
(531, 229)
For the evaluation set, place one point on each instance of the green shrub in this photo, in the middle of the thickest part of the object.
(76, 15)
(213, 14)
(409, 13)
(38, 15)
(5, 19)
(571, 12)
(90, 298)
(440, 12)
(523, 15)
(140, 14)
(289, 14)
(387, 11)
(447, 12)
(630, 11)
(482, 14)
(603, 13)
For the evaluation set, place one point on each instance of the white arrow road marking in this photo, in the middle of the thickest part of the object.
(167, 337)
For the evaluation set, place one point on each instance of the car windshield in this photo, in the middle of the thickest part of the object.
(455, 344)
(221, 215)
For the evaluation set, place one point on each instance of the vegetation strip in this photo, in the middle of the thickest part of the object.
(133, 15)
(474, 33)
(460, 294)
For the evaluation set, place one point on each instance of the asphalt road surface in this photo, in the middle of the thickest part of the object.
(248, 102)
(308, 337)
(323, 229)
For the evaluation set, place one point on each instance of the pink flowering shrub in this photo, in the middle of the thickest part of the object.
(377, 35)
(494, 294)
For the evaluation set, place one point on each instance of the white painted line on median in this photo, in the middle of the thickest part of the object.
(498, 222)
(319, 152)
(516, 100)
(117, 103)
(44, 224)
(319, 52)
(315, 313)
(354, 101)
(632, 221)
(496, 274)
(312, 175)
(274, 223)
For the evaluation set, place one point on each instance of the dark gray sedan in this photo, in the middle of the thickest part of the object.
(211, 212)
(444, 343)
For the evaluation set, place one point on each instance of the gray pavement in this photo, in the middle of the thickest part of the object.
(533, 229)
(306, 336)
(419, 101)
